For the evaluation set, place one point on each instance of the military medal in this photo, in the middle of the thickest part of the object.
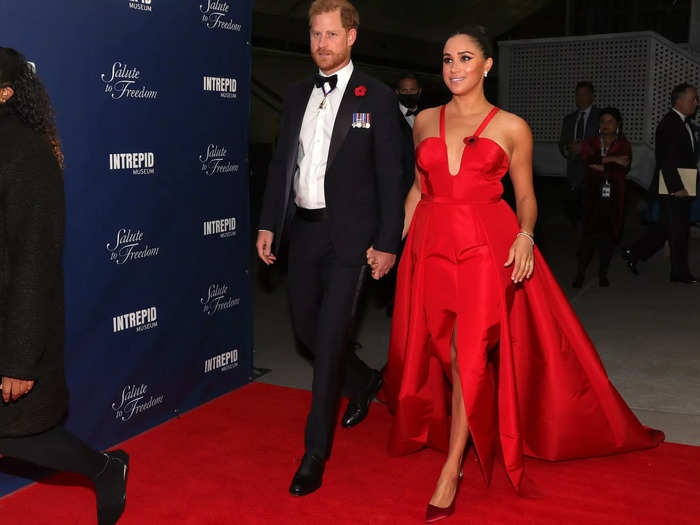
(361, 120)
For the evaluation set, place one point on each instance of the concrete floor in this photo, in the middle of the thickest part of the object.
(646, 329)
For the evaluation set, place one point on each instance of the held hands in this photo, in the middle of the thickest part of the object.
(380, 262)
(522, 254)
(681, 193)
(264, 247)
(597, 167)
(15, 388)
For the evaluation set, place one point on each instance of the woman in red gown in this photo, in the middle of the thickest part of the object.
(483, 342)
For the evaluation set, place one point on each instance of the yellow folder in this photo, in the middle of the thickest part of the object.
(689, 177)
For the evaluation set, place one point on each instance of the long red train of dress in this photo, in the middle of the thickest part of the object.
(532, 381)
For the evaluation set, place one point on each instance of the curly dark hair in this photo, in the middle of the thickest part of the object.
(30, 102)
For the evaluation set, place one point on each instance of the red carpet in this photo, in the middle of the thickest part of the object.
(231, 461)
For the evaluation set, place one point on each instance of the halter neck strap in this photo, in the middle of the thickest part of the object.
(442, 122)
(478, 131)
(486, 121)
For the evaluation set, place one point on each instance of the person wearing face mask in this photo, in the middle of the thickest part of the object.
(607, 158)
(32, 215)
(484, 344)
(408, 92)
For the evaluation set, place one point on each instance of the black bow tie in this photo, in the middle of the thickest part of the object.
(319, 80)
(412, 112)
(689, 119)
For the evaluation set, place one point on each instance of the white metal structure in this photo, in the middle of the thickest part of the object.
(634, 72)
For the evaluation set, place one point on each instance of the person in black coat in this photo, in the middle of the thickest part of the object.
(576, 127)
(675, 148)
(334, 188)
(34, 392)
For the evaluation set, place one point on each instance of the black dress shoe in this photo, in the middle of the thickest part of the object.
(630, 261)
(686, 280)
(309, 476)
(358, 408)
(603, 281)
(578, 281)
(110, 487)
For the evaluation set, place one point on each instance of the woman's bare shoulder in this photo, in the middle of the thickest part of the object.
(427, 123)
(512, 122)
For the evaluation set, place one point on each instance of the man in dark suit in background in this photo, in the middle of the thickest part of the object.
(336, 174)
(408, 91)
(675, 148)
(576, 127)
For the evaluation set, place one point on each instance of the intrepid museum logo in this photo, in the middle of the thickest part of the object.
(135, 399)
(218, 299)
(140, 320)
(222, 362)
(226, 87)
(138, 163)
(129, 245)
(215, 162)
(221, 227)
(140, 5)
(123, 82)
(215, 15)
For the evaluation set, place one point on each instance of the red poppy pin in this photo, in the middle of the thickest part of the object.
(360, 91)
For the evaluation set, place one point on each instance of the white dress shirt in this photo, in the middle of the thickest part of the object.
(687, 126)
(411, 119)
(315, 141)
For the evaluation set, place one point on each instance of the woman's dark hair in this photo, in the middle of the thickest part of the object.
(479, 34)
(30, 102)
(614, 113)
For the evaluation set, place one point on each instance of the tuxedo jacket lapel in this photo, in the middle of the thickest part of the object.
(343, 119)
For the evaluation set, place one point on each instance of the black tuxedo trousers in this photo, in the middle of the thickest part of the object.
(323, 292)
(673, 227)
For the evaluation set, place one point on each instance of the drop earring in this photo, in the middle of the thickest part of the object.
(486, 73)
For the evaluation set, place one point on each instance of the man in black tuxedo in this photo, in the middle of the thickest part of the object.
(676, 145)
(576, 127)
(408, 91)
(334, 188)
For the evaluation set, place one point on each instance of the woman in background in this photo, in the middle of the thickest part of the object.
(32, 216)
(607, 159)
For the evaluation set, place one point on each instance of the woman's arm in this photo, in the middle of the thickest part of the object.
(412, 200)
(622, 160)
(521, 252)
(414, 194)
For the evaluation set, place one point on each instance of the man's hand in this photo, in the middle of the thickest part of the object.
(597, 167)
(15, 388)
(380, 262)
(576, 147)
(264, 246)
(681, 193)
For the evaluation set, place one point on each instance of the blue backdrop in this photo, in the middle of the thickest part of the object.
(152, 101)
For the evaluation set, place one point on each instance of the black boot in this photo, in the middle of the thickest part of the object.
(110, 486)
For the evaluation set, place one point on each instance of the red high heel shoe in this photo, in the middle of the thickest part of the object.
(434, 513)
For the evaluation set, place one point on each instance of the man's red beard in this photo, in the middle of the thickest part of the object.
(328, 61)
